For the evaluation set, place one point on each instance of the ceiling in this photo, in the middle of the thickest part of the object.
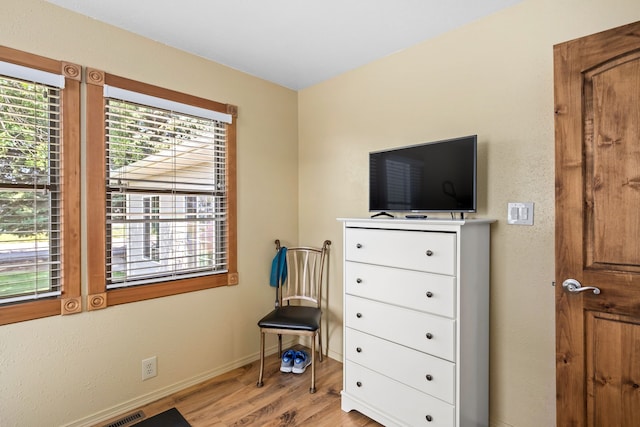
(294, 43)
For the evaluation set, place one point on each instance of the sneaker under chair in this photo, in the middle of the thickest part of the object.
(298, 308)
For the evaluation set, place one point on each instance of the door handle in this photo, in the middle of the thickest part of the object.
(573, 286)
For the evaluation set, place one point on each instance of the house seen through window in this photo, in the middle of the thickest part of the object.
(166, 194)
(151, 228)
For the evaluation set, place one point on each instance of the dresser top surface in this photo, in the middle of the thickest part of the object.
(393, 222)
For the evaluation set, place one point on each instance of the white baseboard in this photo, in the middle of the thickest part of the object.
(335, 356)
(496, 423)
(133, 404)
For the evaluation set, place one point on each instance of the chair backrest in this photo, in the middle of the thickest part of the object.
(306, 268)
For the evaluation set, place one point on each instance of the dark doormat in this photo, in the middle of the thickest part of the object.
(169, 418)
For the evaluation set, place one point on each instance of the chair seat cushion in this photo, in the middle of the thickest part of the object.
(297, 318)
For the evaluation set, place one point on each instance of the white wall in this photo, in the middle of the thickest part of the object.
(80, 368)
(493, 78)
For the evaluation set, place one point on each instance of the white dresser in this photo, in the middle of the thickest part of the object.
(416, 321)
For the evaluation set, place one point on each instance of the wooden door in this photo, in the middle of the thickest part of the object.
(597, 119)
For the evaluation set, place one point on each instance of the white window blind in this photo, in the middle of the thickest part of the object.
(166, 194)
(165, 104)
(30, 192)
(32, 75)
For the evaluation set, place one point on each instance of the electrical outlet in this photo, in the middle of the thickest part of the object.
(149, 368)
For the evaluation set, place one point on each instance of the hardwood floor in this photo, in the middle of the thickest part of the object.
(232, 399)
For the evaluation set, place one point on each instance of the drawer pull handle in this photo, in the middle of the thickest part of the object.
(359, 349)
(359, 245)
(358, 280)
(358, 315)
(429, 335)
(429, 294)
(429, 418)
(429, 252)
(429, 377)
(359, 384)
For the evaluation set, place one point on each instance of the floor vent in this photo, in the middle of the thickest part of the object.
(124, 421)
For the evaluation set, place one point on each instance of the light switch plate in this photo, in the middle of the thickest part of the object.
(520, 213)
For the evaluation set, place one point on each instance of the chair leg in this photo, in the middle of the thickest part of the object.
(313, 365)
(260, 383)
(320, 343)
(279, 345)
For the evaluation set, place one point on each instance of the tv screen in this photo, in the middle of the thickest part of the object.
(432, 177)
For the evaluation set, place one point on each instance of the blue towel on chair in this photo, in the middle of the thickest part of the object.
(279, 268)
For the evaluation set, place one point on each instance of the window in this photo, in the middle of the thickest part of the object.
(164, 221)
(151, 233)
(199, 233)
(39, 190)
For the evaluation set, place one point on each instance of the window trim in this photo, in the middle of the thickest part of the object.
(99, 297)
(69, 302)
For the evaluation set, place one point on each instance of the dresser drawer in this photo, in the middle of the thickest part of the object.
(428, 292)
(421, 331)
(416, 250)
(411, 367)
(409, 406)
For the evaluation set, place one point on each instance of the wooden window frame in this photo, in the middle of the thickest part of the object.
(69, 302)
(99, 297)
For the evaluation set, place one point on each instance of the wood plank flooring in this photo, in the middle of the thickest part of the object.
(232, 399)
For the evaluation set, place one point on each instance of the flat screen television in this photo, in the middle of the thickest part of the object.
(437, 176)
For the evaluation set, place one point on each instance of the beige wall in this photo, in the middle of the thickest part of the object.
(494, 78)
(78, 368)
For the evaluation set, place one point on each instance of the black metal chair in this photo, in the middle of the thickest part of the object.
(298, 308)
